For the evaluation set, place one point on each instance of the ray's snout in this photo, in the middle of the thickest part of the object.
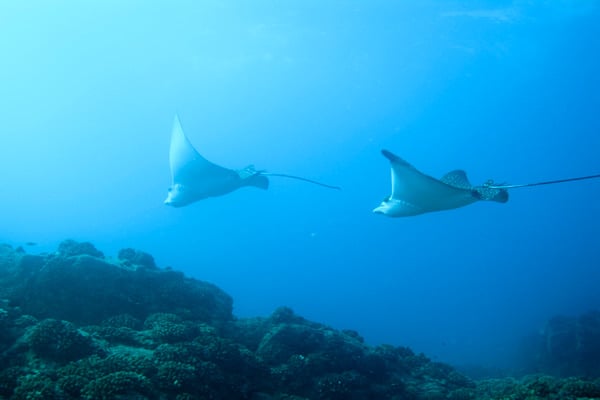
(170, 201)
(380, 209)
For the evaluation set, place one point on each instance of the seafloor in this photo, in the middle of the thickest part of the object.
(77, 325)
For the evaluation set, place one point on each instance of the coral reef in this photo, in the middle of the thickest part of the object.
(76, 325)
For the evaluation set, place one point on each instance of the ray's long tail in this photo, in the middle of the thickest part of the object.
(302, 179)
(491, 185)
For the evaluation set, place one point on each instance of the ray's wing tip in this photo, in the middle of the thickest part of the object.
(391, 156)
(394, 159)
(176, 121)
(388, 154)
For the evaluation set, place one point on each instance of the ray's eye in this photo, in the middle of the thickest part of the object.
(169, 189)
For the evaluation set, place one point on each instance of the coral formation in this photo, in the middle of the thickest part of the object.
(71, 248)
(76, 325)
(132, 257)
(58, 341)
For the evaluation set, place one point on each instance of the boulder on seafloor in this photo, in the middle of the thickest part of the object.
(567, 346)
(59, 341)
(86, 289)
(131, 256)
(70, 248)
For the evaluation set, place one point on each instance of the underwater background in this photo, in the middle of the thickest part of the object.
(507, 90)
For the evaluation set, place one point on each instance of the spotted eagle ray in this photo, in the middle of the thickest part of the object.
(194, 178)
(414, 192)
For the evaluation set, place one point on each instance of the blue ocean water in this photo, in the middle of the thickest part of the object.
(507, 90)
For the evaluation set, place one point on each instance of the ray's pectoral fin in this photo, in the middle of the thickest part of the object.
(186, 163)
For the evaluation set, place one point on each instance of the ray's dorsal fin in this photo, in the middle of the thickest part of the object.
(457, 178)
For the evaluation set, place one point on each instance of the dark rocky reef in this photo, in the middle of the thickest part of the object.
(75, 325)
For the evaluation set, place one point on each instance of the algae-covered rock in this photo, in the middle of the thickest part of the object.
(16, 268)
(119, 384)
(568, 346)
(173, 376)
(292, 335)
(169, 328)
(132, 257)
(283, 341)
(37, 387)
(537, 387)
(247, 331)
(123, 321)
(9, 379)
(577, 388)
(71, 248)
(86, 290)
(347, 385)
(9, 260)
(59, 341)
